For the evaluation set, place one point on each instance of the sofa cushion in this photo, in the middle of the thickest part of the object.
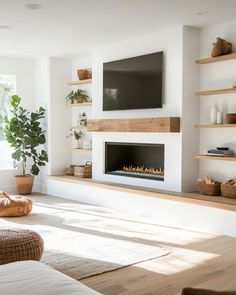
(35, 278)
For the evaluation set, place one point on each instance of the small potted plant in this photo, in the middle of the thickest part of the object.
(77, 135)
(25, 135)
(77, 96)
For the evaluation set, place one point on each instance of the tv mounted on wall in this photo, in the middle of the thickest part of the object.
(133, 83)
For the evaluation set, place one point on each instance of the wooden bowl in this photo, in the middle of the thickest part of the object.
(83, 74)
(231, 118)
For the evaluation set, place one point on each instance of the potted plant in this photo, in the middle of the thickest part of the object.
(77, 135)
(25, 135)
(77, 96)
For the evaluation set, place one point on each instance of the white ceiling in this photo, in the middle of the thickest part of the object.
(63, 27)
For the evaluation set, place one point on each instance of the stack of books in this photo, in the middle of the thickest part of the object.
(221, 152)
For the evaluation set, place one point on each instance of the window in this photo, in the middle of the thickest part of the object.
(7, 88)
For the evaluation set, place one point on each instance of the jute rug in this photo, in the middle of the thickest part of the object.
(83, 240)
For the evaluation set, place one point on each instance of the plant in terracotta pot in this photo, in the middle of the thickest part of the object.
(24, 133)
(77, 96)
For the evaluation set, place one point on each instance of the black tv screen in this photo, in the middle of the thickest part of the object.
(133, 83)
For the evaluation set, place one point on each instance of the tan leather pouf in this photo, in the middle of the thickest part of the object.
(14, 206)
(20, 244)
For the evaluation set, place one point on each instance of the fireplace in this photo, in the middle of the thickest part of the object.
(135, 160)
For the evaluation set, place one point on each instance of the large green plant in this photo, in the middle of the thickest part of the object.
(23, 131)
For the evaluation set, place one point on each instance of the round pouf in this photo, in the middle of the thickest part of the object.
(20, 244)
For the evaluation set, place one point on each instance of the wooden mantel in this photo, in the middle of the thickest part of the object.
(161, 124)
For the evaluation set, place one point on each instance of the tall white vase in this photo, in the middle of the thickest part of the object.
(213, 115)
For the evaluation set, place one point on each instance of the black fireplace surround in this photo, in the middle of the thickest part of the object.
(140, 160)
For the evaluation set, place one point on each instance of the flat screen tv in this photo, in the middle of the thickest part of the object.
(133, 83)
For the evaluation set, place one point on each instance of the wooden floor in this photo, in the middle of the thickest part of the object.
(196, 260)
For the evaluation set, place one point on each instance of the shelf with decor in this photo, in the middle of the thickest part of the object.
(217, 91)
(220, 158)
(79, 82)
(79, 104)
(216, 126)
(209, 60)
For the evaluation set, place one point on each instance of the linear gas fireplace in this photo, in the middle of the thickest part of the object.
(135, 160)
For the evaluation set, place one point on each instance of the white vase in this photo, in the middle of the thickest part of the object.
(219, 118)
(213, 115)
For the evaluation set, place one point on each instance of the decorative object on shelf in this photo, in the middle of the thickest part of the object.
(82, 121)
(25, 135)
(83, 171)
(228, 189)
(87, 144)
(84, 74)
(219, 118)
(221, 152)
(221, 47)
(77, 135)
(208, 186)
(231, 118)
(77, 96)
(213, 115)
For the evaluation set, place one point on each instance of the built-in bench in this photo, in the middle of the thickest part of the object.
(188, 210)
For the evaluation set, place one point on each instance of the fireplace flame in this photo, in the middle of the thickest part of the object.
(143, 169)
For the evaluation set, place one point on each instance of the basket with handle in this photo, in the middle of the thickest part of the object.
(83, 171)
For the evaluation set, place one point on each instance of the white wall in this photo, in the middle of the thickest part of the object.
(59, 117)
(179, 99)
(23, 70)
(190, 108)
(216, 76)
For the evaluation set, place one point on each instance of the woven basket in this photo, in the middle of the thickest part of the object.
(83, 74)
(210, 189)
(70, 170)
(228, 191)
(83, 171)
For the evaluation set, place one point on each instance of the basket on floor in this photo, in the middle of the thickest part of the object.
(210, 189)
(228, 191)
(83, 171)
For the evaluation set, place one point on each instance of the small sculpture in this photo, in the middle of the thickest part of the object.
(221, 47)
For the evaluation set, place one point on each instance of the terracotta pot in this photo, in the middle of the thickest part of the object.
(80, 99)
(24, 184)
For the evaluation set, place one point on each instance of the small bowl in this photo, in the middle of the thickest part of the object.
(231, 118)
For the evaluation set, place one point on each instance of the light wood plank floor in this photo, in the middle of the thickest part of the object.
(197, 260)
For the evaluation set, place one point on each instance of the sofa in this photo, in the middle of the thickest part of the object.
(35, 278)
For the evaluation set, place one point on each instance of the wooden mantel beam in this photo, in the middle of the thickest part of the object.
(161, 124)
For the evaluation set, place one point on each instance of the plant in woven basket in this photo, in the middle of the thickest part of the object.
(24, 133)
(77, 96)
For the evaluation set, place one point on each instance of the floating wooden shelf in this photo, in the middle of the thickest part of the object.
(206, 157)
(83, 104)
(78, 82)
(162, 124)
(215, 126)
(217, 91)
(209, 60)
(78, 149)
(79, 127)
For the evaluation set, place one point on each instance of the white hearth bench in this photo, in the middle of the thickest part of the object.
(185, 210)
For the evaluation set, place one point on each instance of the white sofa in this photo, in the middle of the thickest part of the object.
(35, 278)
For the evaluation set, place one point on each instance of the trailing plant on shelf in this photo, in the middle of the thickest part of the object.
(22, 129)
(77, 96)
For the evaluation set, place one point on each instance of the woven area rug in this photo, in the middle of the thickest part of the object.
(84, 240)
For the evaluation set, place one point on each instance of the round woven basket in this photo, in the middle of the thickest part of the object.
(20, 244)
(228, 191)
